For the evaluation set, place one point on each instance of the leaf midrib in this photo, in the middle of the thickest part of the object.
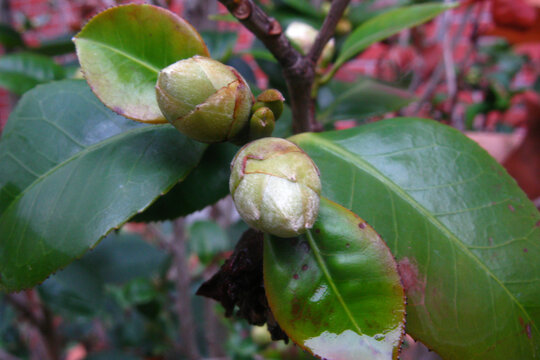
(81, 154)
(341, 151)
(123, 53)
(326, 273)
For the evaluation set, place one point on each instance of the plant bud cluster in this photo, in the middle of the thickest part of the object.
(211, 102)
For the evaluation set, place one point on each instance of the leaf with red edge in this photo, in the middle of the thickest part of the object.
(122, 50)
(335, 290)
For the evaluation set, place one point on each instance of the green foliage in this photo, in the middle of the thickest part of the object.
(21, 72)
(122, 50)
(385, 25)
(205, 185)
(463, 233)
(63, 192)
(360, 99)
(207, 239)
(335, 290)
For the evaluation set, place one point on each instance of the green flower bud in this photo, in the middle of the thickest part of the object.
(261, 123)
(275, 187)
(271, 99)
(204, 99)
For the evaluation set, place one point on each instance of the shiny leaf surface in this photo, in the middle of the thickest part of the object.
(69, 175)
(385, 25)
(122, 50)
(204, 186)
(335, 290)
(21, 72)
(465, 236)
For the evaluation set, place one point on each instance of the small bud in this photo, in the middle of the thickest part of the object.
(275, 187)
(271, 99)
(204, 99)
(343, 27)
(261, 124)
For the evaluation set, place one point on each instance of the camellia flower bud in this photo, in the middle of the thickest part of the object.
(204, 99)
(262, 123)
(275, 187)
(271, 99)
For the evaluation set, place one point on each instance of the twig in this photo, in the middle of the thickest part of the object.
(183, 298)
(327, 30)
(448, 57)
(266, 29)
(439, 70)
(298, 70)
(40, 318)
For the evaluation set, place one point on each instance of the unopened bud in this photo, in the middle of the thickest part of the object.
(204, 99)
(275, 187)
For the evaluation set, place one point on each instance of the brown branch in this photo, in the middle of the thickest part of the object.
(266, 29)
(327, 30)
(298, 70)
(39, 317)
(176, 245)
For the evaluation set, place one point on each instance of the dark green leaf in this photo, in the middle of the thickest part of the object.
(70, 172)
(385, 25)
(79, 288)
(207, 239)
(54, 47)
(361, 99)
(465, 236)
(139, 291)
(9, 37)
(220, 43)
(122, 50)
(303, 7)
(284, 124)
(22, 71)
(336, 291)
(124, 257)
(204, 186)
(76, 290)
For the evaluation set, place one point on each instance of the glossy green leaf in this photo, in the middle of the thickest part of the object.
(465, 236)
(122, 50)
(70, 174)
(22, 71)
(385, 25)
(335, 290)
(360, 99)
(207, 239)
(204, 186)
